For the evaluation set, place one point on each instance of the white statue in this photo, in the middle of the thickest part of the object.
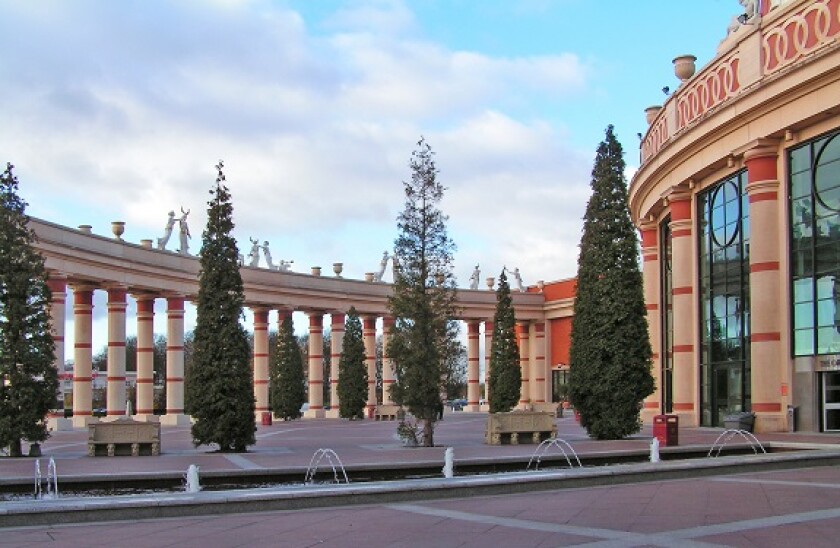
(474, 278)
(185, 233)
(267, 255)
(285, 266)
(518, 277)
(254, 255)
(167, 232)
(749, 15)
(382, 264)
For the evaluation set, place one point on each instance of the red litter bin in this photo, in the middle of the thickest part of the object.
(266, 418)
(666, 428)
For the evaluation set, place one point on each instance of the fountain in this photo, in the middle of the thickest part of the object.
(545, 445)
(654, 450)
(191, 479)
(52, 481)
(727, 435)
(315, 461)
(449, 462)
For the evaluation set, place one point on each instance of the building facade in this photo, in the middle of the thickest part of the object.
(738, 203)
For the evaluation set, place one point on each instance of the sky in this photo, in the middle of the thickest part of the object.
(120, 110)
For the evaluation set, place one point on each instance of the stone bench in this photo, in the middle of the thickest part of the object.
(519, 427)
(386, 412)
(123, 437)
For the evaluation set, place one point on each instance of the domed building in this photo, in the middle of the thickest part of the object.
(738, 202)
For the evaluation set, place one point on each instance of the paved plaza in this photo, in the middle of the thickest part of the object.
(755, 508)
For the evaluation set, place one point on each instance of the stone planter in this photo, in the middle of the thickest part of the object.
(739, 421)
(651, 113)
(519, 427)
(684, 67)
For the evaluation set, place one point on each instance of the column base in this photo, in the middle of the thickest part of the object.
(648, 414)
(59, 424)
(472, 408)
(175, 419)
(332, 414)
(686, 418)
(314, 414)
(146, 418)
(484, 408)
(770, 422)
(82, 421)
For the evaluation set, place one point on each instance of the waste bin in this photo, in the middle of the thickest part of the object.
(266, 418)
(791, 416)
(666, 430)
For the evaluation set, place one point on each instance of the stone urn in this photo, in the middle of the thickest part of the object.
(491, 281)
(651, 113)
(316, 270)
(684, 66)
(118, 228)
(338, 268)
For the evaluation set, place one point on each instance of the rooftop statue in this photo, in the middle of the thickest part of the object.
(167, 232)
(474, 278)
(254, 255)
(749, 16)
(382, 264)
(185, 232)
(518, 277)
(267, 255)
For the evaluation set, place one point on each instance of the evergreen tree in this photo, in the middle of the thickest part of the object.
(610, 352)
(352, 371)
(219, 382)
(505, 371)
(28, 378)
(288, 386)
(423, 297)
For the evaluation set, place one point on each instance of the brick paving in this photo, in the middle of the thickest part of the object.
(778, 508)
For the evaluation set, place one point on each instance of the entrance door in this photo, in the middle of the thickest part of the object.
(727, 392)
(831, 401)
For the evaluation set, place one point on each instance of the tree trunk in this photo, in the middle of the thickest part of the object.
(15, 449)
(428, 433)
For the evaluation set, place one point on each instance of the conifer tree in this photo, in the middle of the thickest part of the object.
(610, 352)
(352, 372)
(28, 378)
(219, 382)
(505, 371)
(288, 387)
(423, 297)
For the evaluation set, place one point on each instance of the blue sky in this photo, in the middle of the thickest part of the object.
(119, 111)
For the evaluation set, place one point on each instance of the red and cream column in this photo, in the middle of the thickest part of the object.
(768, 380)
(650, 278)
(260, 361)
(82, 355)
(473, 381)
(682, 260)
(175, 363)
(337, 320)
(524, 364)
(369, 338)
(316, 366)
(388, 372)
(145, 410)
(58, 310)
(116, 352)
(538, 364)
(488, 346)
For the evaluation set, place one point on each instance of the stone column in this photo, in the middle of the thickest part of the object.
(650, 278)
(473, 382)
(145, 357)
(260, 361)
(175, 363)
(524, 364)
(369, 338)
(116, 352)
(682, 260)
(336, 347)
(58, 310)
(316, 366)
(769, 389)
(388, 372)
(488, 345)
(538, 365)
(82, 355)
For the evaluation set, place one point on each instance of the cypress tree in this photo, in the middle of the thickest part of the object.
(352, 372)
(28, 378)
(423, 297)
(505, 371)
(288, 386)
(220, 381)
(610, 352)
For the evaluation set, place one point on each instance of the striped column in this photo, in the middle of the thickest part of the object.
(58, 311)
(488, 344)
(524, 364)
(682, 261)
(145, 357)
(369, 338)
(336, 348)
(175, 362)
(82, 354)
(316, 366)
(650, 279)
(473, 381)
(388, 371)
(769, 390)
(538, 364)
(116, 352)
(283, 315)
(260, 361)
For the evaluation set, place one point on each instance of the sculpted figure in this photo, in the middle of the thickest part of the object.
(749, 15)
(382, 264)
(185, 233)
(474, 278)
(285, 266)
(267, 255)
(254, 255)
(167, 232)
(518, 277)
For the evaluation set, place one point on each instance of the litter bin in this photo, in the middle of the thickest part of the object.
(791, 417)
(666, 428)
(266, 418)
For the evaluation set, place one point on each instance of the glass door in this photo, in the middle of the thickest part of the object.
(727, 392)
(831, 401)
